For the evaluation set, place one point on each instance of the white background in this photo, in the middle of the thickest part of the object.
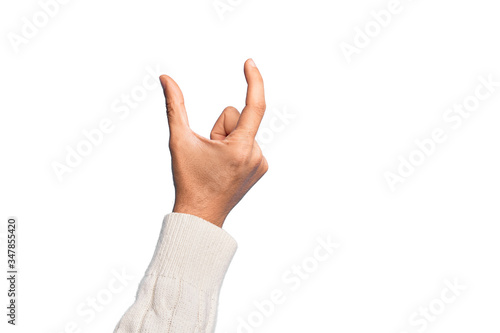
(326, 177)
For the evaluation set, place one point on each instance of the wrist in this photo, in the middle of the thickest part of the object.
(209, 214)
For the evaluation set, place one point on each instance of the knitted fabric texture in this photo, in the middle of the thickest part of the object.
(180, 291)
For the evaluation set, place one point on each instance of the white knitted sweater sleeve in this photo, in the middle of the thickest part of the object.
(180, 290)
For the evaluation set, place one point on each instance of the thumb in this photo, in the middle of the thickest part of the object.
(176, 111)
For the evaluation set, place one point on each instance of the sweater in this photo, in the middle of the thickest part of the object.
(180, 289)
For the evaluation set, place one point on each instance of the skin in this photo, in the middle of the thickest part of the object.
(212, 175)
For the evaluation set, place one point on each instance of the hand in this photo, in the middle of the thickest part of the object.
(211, 176)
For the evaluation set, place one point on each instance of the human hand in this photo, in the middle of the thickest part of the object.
(211, 176)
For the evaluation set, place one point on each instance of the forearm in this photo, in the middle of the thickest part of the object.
(180, 290)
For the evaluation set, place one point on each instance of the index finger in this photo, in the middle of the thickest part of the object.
(255, 107)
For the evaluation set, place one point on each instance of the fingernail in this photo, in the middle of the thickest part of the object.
(252, 63)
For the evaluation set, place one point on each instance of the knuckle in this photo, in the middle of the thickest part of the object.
(240, 157)
(172, 106)
(257, 158)
(170, 109)
(239, 160)
(265, 166)
(257, 162)
(257, 150)
(230, 109)
(260, 106)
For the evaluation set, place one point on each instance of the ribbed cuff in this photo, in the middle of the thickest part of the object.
(194, 250)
